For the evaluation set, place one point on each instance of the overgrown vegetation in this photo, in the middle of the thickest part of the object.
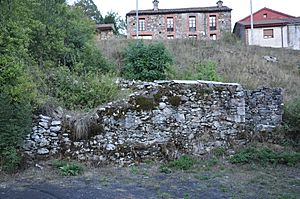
(147, 62)
(185, 162)
(197, 71)
(291, 119)
(47, 54)
(68, 168)
(15, 122)
(233, 62)
(264, 155)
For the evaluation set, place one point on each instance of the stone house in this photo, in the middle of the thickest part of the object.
(105, 31)
(198, 22)
(271, 29)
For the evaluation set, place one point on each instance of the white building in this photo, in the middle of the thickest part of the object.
(271, 29)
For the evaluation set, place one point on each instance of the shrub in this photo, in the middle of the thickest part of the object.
(146, 62)
(198, 71)
(83, 91)
(15, 121)
(264, 155)
(291, 119)
(185, 162)
(68, 168)
(11, 159)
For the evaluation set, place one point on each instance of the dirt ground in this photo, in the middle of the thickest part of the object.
(208, 179)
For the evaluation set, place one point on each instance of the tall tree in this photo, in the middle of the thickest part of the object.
(90, 9)
(114, 18)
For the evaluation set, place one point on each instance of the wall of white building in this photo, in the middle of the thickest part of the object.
(276, 42)
(294, 36)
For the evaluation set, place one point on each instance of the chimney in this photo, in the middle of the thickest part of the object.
(220, 4)
(155, 5)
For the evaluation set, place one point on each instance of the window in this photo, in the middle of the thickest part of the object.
(192, 24)
(170, 24)
(265, 15)
(142, 25)
(170, 37)
(144, 37)
(193, 36)
(268, 33)
(213, 22)
(213, 36)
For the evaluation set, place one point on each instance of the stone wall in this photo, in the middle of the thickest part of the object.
(159, 121)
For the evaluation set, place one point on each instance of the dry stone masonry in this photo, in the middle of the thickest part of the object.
(159, 121)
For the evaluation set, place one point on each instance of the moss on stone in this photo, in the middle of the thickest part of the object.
(175, 100)
(144, 103)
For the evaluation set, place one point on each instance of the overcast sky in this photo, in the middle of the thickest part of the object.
(241, 8)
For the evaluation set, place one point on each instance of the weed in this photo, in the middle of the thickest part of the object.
(144, 103)
(134, 170)
(219, 151)
(175, 100)
(211, 162)
(164, 195)
(202, 177)
(286, 196)
(186, 196)
(68, 168)
(185, 162)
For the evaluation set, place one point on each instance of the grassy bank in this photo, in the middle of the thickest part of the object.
(235, 62)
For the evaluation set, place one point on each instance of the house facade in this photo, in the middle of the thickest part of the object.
(198, 23)
(271, 29)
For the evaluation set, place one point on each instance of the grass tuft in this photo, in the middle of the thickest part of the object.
(68, 168)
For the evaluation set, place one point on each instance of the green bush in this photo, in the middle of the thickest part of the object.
(15, 121)
(264, 155)
(185, 162)
(68, 168)
(291, 119)
(146, 62)
(198, 71)
(82, 91)
(11, 159)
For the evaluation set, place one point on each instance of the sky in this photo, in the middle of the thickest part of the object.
(241, 8)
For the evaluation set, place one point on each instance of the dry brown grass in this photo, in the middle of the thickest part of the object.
(81, 125)
(236, 62)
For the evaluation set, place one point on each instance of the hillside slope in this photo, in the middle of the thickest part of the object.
(235, 61)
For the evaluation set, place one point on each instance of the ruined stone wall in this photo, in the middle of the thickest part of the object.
(159, 121)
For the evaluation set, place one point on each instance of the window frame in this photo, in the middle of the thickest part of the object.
(170, 26)
(142, 24)
(212, 22)
(268, 33)
(192, 23)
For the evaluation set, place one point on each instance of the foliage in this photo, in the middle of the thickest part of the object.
(230, 38)
(90, 9)
(146, 62)
(68, 168)
(11, 159)
(82, 92)
(291, 118)
(185, 162)
(114, 18)
(15, 121)
(198, 71)
(265, 155)
(219, 151)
